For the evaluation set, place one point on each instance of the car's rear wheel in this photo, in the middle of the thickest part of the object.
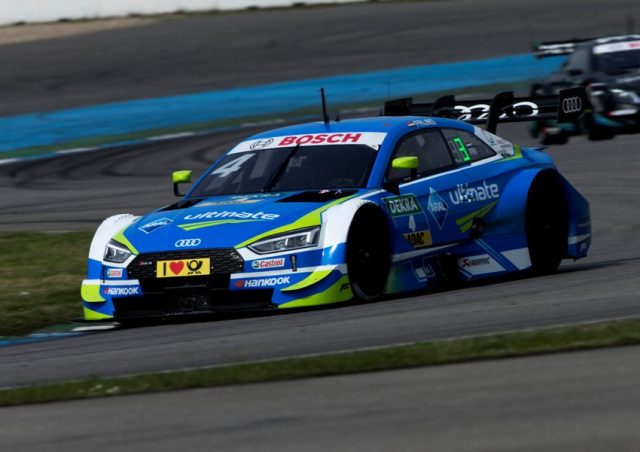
(546, 223)
(368, 253)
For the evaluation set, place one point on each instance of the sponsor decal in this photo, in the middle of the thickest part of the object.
(122, 291)
(261, 144)
(400, 206)
(320, 138)
(264, 264)
(421, 123)
(345, 286)
(156, 224)
(474, 262)
(479, 265)
(571, 104)
(419, 239)
(465, 194)
(114, 273)
(481, 111)
(183, 267)
(264, 282)
(437, 207)
(232, 215)
(187, 243)
(372, 139)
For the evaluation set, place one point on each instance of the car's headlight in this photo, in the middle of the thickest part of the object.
(303, 238)
(116, 252)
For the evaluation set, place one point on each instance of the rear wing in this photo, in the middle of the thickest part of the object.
(555, 48)
(567, 106)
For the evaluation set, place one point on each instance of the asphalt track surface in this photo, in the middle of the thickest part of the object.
(76, 191)
(577, 402)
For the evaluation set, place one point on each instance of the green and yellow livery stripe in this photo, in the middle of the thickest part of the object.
(207, 224)
(313, 218)
(337, 292)
(466, 222)
(120, 238)
(310, 280)
(91, 293)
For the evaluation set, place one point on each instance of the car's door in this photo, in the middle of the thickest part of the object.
(481, 179)
(425, 211)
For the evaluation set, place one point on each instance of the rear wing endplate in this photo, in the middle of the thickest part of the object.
(567, 106)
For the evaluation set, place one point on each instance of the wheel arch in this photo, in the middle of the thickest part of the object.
(105, 232)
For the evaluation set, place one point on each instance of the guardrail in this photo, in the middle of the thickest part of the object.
(12, 11)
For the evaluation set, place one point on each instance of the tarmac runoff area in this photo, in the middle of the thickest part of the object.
(585, 401)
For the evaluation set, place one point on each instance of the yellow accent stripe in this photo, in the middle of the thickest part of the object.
(333, 294)
(516, 155)
(206, 224)
(90, 314)
(465, 222)
(91, 293)
(309, 280)
(119, 237)
(313, 218)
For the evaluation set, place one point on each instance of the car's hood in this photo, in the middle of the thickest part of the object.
(229, 221)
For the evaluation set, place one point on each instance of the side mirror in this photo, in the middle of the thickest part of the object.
(180, 177)
(410, 162)
(574, 72)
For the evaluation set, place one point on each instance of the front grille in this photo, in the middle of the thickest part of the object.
(167, 297)
(223, 261)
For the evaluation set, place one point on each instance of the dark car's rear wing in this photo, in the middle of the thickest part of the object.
(555, 48)
(566, 106)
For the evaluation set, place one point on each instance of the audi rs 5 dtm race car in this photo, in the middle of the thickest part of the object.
(331, 211)
(610, 70)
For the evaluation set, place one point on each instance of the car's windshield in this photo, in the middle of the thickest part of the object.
(291, 168)
(617, 57)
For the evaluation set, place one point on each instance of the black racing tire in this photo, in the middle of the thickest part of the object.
(368, 253)
(546, 223)
(559, 138)
(599, 134)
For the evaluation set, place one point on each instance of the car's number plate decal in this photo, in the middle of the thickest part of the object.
(183, 267)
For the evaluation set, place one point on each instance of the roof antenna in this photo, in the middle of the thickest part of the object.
(325, 116)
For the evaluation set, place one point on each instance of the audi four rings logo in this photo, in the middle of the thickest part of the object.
(571, 104)
(259, 144)
(185, 243)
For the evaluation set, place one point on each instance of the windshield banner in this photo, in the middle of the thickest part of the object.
(371, 139)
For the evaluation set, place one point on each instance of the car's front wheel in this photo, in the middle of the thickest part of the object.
(368, 253)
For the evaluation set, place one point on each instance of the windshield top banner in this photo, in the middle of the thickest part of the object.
(371, 139)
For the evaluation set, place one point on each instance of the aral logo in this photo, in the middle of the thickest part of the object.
(437, 207)
(400, 206)
(156, 224)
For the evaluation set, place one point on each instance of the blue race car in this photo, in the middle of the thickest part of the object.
(332, 211)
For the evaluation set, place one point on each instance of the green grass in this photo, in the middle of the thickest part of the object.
(40, 276)
(625, 332)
